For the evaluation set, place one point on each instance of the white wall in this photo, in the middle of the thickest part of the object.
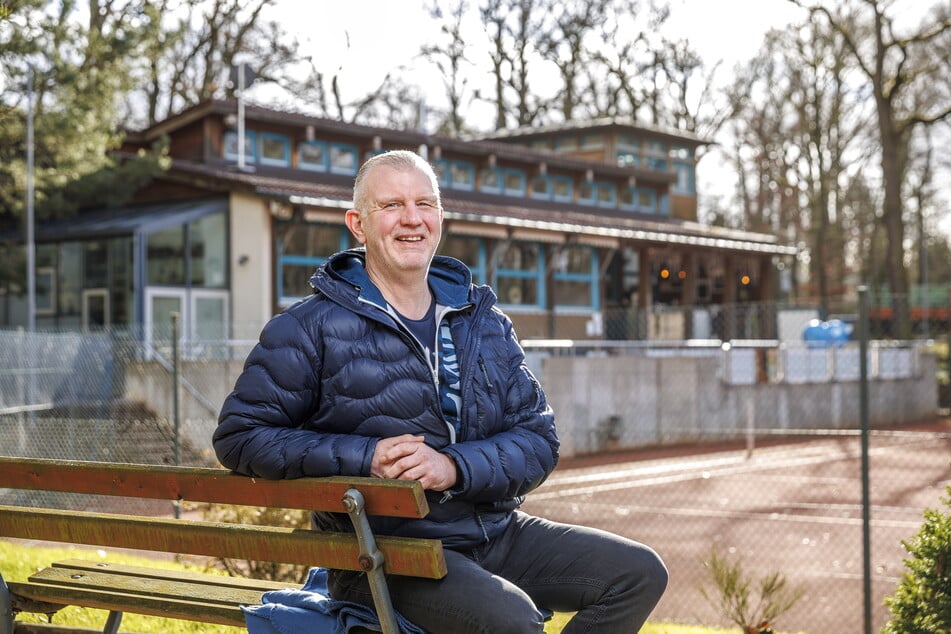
(251, 282)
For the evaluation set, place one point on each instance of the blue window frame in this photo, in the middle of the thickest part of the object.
(640, 199)
(275, 149)
(540, 187)
(562, 189)
(343, 159)
(598, 194)
(513, 182)
(470, 250)
(607, 195)
(576, 278)
(301, 248)
(685, 178)
(628, 159)
(312, 155)
(490, 180)
(462, 175)
(520, 275)
(441, 167)
(231, 146)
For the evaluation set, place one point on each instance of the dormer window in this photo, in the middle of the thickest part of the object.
(275, 149)
(312, 155)
(343, 159)
(231, 146)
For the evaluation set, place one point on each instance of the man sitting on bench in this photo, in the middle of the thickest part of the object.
(398, 366)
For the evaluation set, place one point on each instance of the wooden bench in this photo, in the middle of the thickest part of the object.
(198, 596)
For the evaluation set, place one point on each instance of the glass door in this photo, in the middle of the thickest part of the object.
(95, 309)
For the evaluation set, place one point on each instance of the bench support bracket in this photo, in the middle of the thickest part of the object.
(371, 560)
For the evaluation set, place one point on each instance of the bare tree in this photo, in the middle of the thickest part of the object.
(899, 71)
(195, 43)
(513, 28)
(449, 56)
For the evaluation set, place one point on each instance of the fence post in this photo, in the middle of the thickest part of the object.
(176, 403)
(864, 422)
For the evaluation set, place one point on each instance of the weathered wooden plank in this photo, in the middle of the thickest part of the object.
(395, 498)
(204, 592)
(415, 557)
(119, 601)
(187, 576)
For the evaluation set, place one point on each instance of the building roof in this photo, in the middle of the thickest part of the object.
(595, 125)
(498, 211)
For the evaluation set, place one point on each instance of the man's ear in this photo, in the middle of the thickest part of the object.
(355, 225)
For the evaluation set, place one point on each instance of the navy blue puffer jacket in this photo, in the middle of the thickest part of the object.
(335, 372)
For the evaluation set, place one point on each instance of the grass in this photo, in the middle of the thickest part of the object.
(17, 562)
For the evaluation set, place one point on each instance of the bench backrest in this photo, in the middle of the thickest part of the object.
(415, 557)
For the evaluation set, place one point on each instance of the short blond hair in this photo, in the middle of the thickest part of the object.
(396, 159)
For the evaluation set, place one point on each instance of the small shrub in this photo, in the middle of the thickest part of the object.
(922, 602)
(260, 516)
(735, 599)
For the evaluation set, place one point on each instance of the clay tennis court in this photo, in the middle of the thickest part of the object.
(793, 506)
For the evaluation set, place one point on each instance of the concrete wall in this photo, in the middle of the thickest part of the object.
(610, 402)
(617, 402)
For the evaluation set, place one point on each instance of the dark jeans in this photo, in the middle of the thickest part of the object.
(612, 583)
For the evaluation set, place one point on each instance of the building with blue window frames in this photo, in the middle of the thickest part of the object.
(568, 223)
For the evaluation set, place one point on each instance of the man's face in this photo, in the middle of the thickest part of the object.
(403, 224)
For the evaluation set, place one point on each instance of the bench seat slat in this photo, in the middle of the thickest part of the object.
(203, 590)
(382, 497)
(181, 607)
(190, 576)
(415, 557)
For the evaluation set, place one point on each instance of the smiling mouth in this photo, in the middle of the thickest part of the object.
(410, 239)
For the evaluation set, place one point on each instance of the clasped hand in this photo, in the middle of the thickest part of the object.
(408, 457)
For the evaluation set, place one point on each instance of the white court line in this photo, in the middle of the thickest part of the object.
(675, 470)
(772, 516)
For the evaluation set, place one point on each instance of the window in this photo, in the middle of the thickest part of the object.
(628, 159)
(597, 193)
(312, 155)
(566, 143)
(540, 187)
(231, 146)
(301, 248)
(502, 181)
(343, 159)
(441, 168)
(592, 140)
(513, 182)
(490, 180)
(685, 178)
(680, 152)
(45, 290)
(275, 149)
(576, 277)
(469, 250)
(639, 199)
(520, 274)
(165, 254)
(207, 242)
(562, 189)
(607, 195)
(461, 175)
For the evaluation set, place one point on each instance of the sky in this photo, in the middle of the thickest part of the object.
(369, 38)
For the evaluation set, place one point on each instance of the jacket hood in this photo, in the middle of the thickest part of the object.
(449, 279)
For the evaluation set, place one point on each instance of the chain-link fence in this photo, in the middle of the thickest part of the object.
(749, 446)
